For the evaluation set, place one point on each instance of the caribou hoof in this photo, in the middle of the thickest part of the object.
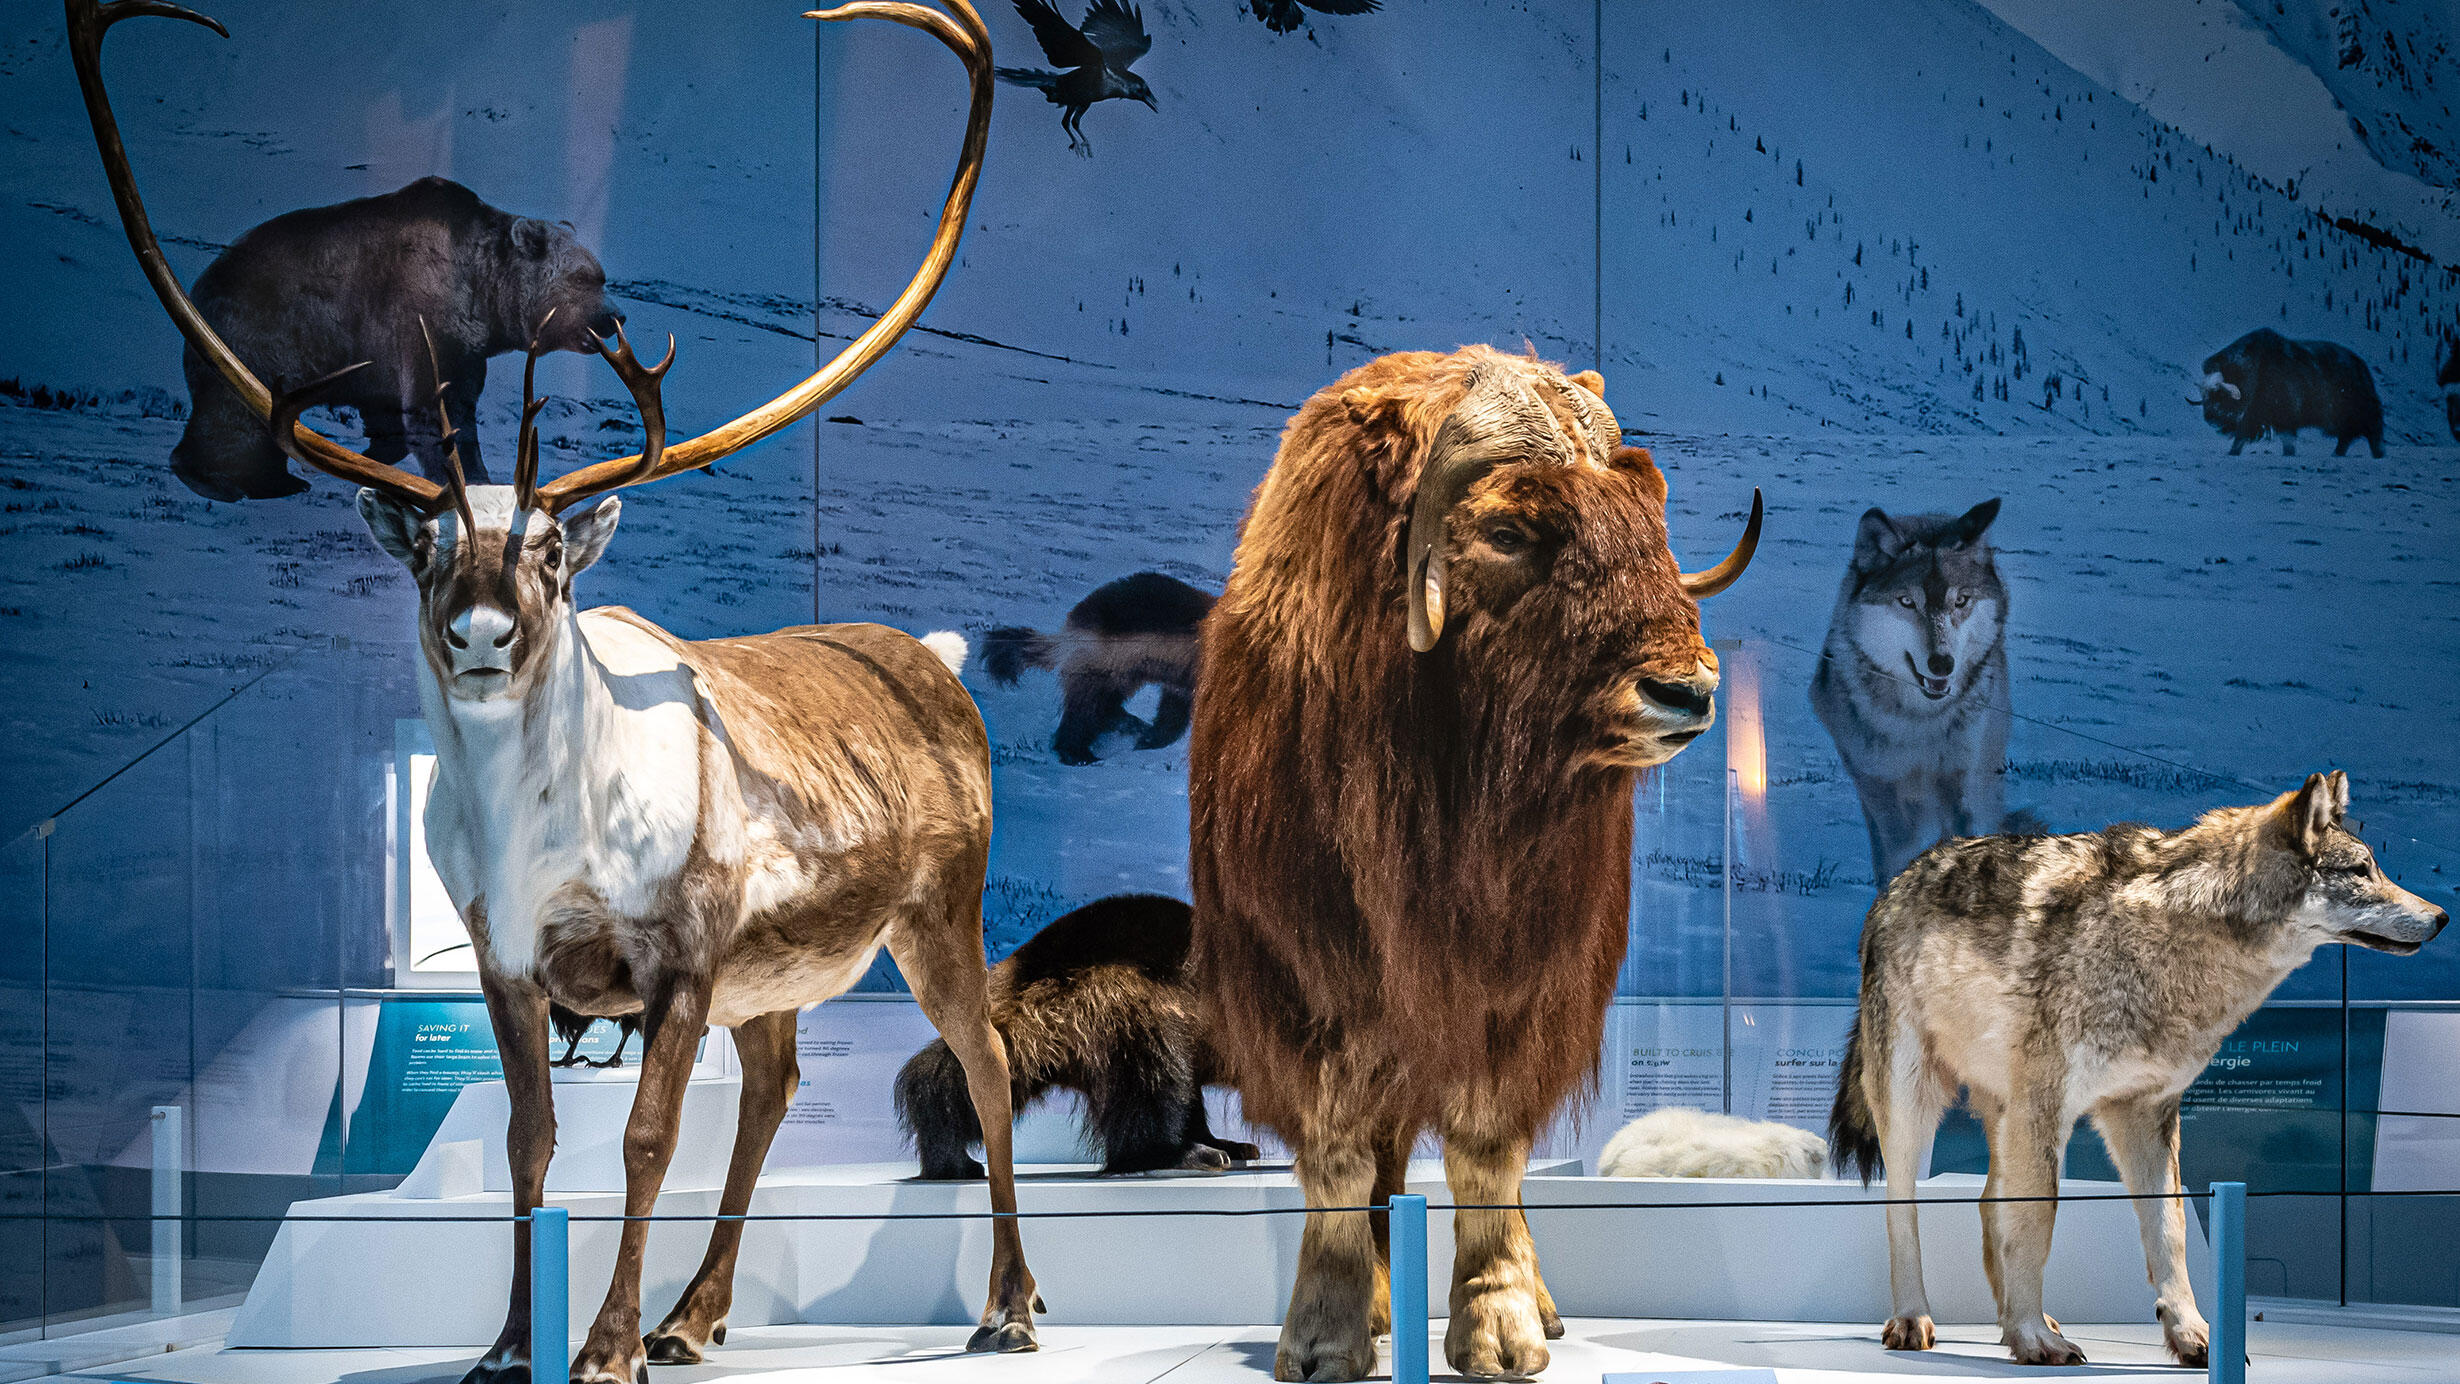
(596, 1365)
(671, 1348)
(1908, 1333)
(1008, 1338)
(500, 1372)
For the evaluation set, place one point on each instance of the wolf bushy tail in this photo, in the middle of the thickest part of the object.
(1853, 1136)
(1011, 649)
(937, 1112)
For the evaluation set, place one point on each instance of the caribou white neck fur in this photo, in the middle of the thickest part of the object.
(570, 781)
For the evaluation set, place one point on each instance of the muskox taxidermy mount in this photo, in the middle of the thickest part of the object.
(2266, 383)
(1453, 635)
(696, 833)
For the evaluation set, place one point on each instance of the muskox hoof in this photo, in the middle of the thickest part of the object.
(1550, 1323)
(1007, 1338)
(1496, 1335)
(1908, 1333)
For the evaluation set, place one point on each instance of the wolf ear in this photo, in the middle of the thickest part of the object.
(2305, 816)
(1973, 523)
(1876, 540)
(2338, 782)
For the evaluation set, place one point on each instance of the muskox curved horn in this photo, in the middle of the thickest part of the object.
(1699, 586)
(1497, 421)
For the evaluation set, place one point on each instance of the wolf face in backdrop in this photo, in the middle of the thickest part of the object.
(1135, 631)
(2266, 383)
(313, 290)
(2051, 976)
(1097, 1003)
(1912, 681)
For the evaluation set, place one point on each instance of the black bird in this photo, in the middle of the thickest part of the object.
(1284, 16)
(1097, 56)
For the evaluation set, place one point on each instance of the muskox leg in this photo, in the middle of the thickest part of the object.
(671, 1027)
(770, 1074)
(941, 958)
(1549, 1319)
(518, 1012)
(1495, 1332)
(1327, 1333)
(1391, 1179)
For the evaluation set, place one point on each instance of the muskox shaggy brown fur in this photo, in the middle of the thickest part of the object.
(1453, 636)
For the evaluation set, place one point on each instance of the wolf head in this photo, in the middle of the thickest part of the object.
(2330, 888)
(1925, 599)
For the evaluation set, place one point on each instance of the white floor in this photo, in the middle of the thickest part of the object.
(1753, 1352)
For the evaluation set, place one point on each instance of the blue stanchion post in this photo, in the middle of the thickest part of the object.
(550, 1293)
(1408, 1221)
(2228, 1350)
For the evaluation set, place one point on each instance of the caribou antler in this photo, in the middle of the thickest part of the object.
(525, 449)
(648, 400)
(88, 22)
(966, 36)
(448, 438)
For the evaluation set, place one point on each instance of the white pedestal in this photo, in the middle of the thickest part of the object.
(418, 1281)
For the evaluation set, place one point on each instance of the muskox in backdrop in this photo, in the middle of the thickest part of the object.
(1453, 637)
(1131, 633)
(2266, 383)
(314, 290)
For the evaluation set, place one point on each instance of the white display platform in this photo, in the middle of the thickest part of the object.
(415, 1278)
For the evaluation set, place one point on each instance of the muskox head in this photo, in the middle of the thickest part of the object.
(1536, 574)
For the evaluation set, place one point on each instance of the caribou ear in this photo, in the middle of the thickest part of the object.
(1638, 460)
(586, 534)
(1876, 540)
(1593, 382)
(395, 526)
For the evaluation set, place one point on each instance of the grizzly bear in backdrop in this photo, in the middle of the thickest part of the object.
(320, 288)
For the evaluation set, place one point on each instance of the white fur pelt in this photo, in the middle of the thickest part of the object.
(1677, 1142)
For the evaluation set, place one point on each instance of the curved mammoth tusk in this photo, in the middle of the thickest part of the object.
(1699, 586)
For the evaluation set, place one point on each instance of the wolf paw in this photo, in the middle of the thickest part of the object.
(2189, 1340)
(1204, 1158)
(2040, 1345)
(1496, 1335)
(1908, 1333)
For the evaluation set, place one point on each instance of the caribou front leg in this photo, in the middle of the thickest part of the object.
(770, 1073)
(671, 1028)
(518, 1011)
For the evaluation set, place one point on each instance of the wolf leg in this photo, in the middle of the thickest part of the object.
(1495, 1331)
(2143, 1138)
(1907, 1113)
(2024, 1158)
(1324, 1335)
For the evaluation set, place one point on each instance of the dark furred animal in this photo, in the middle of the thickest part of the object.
(1097, 1003)
(2266, 383)
(1128, 633)
(314, 290)
(1453, 636)
(2449, 378)
(1286, 16)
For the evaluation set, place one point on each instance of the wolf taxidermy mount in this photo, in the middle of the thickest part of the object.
(714, 832)
(1912, 680)
(2054, 977)
(1097, 1003)
(1137, 631)
(1453, 636)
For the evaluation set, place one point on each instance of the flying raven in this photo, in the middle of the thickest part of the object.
(1284, 16)
(1097, 56)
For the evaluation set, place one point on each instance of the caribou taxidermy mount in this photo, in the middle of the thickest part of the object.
(693, 833)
